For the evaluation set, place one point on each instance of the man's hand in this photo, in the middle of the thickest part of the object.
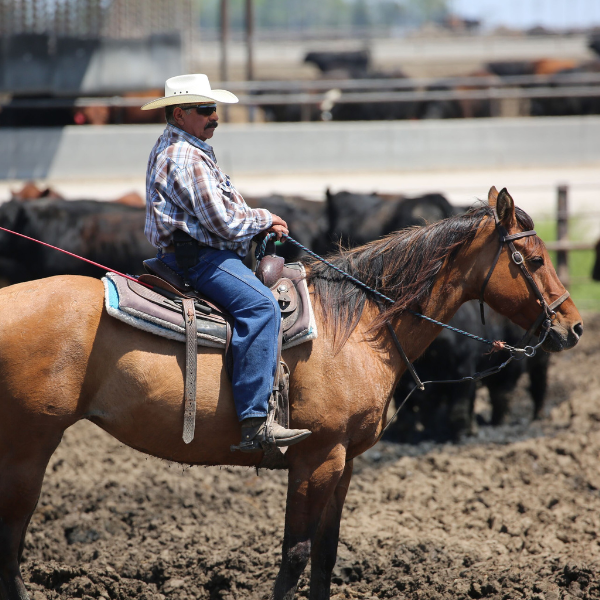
(279, 227)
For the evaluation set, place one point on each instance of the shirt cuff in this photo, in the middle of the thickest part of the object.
(264, 219)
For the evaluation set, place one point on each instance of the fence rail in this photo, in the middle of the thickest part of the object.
(368, 91)
(420, 82)
(318, 99)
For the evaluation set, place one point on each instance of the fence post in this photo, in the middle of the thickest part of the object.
(224, 52)
(250, 51)
(562, 234)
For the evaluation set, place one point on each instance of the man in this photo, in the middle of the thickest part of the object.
(189, 199)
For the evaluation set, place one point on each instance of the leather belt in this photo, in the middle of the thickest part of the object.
(170, 249)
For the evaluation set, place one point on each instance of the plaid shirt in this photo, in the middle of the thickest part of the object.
(186, 189)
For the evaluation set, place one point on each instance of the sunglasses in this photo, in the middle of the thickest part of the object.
(204, 110)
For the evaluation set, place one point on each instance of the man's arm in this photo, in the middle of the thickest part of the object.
(215, 205)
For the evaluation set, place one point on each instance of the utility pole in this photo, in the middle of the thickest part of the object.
(250, 50)
(224, 48)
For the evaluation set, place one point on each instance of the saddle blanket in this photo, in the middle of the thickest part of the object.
(149, 311)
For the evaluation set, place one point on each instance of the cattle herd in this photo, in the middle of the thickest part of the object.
(112, 234)
(355, 65)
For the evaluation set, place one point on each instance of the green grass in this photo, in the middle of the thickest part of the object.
(584, 291)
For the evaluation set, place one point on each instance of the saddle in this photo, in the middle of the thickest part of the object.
(160, 302)
(286, 282)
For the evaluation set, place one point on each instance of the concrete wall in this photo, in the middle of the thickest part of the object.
(86, 66)
(122, 151)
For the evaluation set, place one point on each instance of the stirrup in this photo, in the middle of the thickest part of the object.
(251, 446)
(255, 445)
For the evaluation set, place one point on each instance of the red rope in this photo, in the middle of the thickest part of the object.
(77, 256)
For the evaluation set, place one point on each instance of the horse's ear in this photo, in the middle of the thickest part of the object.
(492, 196)
(505, 207)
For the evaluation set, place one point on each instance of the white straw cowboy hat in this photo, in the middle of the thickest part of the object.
(187, 89)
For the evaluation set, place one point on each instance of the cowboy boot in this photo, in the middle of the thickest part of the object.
(257, 432)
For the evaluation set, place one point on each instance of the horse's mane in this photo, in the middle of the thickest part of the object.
(402, 265)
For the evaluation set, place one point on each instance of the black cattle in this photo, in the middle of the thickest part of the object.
(107, 233)
(112, 234)
(444, 411)
(306, 220)
(354, 111)
(511, 68)
(596, 269)
(594, 43)
(568, 105)
(355, 64)
(356, 219)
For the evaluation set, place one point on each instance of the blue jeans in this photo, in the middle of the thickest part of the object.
(223, 278)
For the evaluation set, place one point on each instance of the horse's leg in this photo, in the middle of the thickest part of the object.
(22, 466)
(324, 550)
(310, 486)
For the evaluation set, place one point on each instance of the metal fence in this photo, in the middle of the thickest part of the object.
(117, 19)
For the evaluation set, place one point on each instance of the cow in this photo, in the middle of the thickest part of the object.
(353, 64)
(594, 43)
(306, 220)
(445, 411)
(30, 191)
(356, 219)
(108, 233)
(112, 234)
(596, 269)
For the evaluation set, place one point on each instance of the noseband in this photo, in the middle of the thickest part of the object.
(545, 317)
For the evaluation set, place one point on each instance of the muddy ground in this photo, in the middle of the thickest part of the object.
(511, 513)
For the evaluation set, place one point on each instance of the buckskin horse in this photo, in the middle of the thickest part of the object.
(63, 358)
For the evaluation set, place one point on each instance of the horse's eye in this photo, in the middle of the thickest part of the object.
(538, 261)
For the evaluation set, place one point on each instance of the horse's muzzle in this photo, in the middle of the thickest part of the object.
(562, 338)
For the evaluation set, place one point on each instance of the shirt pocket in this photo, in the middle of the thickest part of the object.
(226, 187)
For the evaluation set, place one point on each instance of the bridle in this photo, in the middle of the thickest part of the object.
(544, 319)
(548, 310)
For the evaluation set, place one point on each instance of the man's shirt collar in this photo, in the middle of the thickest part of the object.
(175, 131)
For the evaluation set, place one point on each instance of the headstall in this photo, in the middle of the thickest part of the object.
(547, 314)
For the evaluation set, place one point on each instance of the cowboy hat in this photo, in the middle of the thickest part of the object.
(187, 89)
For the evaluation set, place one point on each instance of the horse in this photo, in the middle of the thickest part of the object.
(63, 358)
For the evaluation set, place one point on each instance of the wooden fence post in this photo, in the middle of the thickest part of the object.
(562, 234)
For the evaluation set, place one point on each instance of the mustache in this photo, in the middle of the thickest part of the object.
(212, 125)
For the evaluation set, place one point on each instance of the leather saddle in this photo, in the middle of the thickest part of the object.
(286, 282)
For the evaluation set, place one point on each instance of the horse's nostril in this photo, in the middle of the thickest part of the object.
(578, 329)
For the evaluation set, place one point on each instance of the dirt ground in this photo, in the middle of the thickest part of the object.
(513, 512)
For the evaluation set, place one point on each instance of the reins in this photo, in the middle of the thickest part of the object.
(527, 351)
(87, 260)
(544, 320)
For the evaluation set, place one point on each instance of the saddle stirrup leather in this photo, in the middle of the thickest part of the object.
(191, 367)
